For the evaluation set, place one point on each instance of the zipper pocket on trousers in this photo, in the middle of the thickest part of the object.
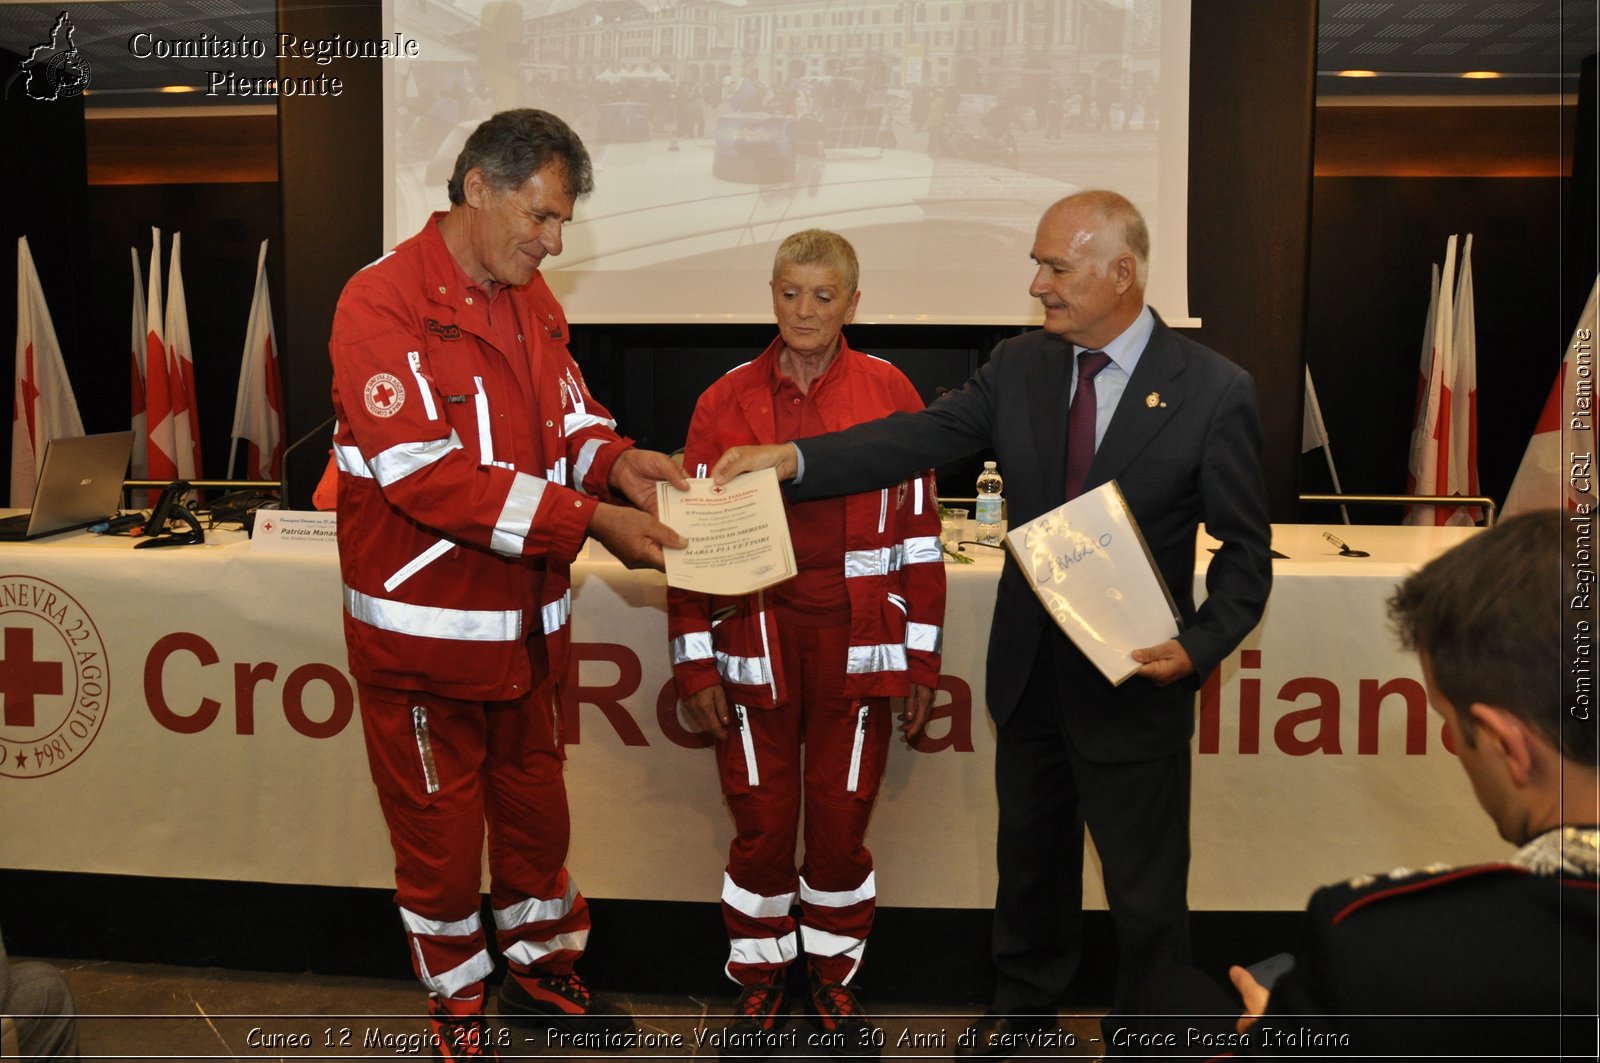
(855, 752)
(749, 741)
(419, 725)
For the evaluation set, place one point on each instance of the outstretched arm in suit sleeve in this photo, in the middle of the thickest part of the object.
(890, 449)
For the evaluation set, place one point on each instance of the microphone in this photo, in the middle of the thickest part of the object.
(321, 431)
(1344, 551)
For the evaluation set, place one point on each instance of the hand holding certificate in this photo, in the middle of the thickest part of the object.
(738, 534)
(1089, 565)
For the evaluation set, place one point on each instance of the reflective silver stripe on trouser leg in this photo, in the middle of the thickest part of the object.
(474, 968)
(855, 751)
(749, 745)
(531, 952)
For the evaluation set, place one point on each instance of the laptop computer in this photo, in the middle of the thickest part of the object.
(80, 482)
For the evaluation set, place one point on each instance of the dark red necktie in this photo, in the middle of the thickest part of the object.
(1080, 422)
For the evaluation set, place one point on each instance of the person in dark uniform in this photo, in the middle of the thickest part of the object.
(1492, 961)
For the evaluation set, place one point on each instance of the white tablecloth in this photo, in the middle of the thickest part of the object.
(187, 712)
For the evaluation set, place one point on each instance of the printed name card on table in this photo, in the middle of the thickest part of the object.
(295, 531)
(1090, 567)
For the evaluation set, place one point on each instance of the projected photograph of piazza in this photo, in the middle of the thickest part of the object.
(930, 132)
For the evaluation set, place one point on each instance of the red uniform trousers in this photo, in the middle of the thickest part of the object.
(765, 778)
(443, 768)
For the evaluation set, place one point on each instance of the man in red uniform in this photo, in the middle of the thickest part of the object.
(472, 464)
(813, 662)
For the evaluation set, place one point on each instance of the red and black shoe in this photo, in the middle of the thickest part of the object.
(848, 1032)
(462, 1036)
(564, 1002)
(758, 1015)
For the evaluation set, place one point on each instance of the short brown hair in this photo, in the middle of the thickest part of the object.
(1487, 614)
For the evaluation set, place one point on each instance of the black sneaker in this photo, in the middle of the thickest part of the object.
(758, 1014)
(565, 1003)
(846, 1030)
(468, 1037)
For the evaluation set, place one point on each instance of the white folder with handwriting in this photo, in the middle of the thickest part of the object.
(1090, 567)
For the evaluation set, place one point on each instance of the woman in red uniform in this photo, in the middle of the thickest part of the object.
(794, 682)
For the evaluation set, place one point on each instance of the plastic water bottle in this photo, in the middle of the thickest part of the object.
(989, 487)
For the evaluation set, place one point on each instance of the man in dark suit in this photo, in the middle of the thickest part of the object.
(1175, 425)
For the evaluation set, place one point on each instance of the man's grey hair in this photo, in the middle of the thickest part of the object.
(512, 146)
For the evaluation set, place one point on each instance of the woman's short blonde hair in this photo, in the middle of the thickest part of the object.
(818, 247)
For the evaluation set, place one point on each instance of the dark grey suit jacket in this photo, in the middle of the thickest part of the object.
(1184, 446)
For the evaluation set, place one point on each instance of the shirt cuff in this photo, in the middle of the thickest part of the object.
(799, 463)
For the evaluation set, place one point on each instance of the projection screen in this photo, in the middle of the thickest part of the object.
(931, 133)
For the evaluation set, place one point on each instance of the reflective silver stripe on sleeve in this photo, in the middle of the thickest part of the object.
(434, 622)
(752, 671)
(403, 459)
(928, 638)
(554, 615)
(531, 952)
(755, 905)
(580, 468)
(867, 891)
(879, 562)
(557, 473)
(485, 437)
(923, 550)
(349, 460)
(575, 393)
(418, 563)
(577, 421)
(415, 358)
(516, 517)
(695, 646)
(882, 658)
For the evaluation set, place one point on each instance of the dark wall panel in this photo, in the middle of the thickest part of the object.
(330, 156)
(223, 226)
(1250, 146)
(43, 188)
(1374, 241)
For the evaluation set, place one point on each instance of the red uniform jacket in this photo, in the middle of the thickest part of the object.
(893, 564)
(463, 497)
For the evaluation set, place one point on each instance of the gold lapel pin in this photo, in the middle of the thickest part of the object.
(1153, 400)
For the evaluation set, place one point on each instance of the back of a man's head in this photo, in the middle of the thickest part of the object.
(1487, 616)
